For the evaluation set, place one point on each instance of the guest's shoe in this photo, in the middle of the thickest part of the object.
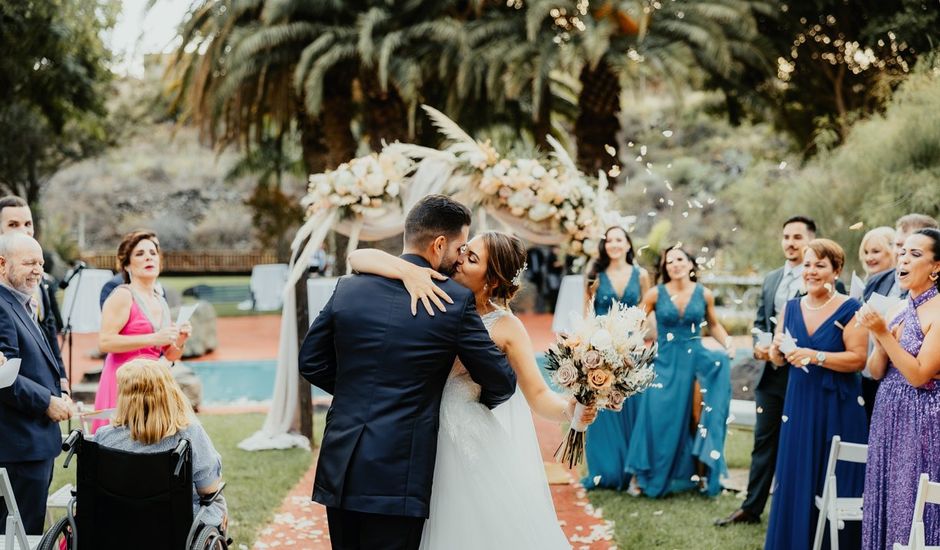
(738, 516)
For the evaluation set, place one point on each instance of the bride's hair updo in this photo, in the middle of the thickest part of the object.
(505, 258)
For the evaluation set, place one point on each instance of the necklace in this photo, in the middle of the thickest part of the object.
(817, 308)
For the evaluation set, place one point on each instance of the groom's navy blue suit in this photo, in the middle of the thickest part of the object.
(386, 370)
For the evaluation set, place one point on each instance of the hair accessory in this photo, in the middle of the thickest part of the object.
(517, 280)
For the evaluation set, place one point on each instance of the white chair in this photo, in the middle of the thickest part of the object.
(15, 537)
(831, 507)
(927, 491)
(267, 286)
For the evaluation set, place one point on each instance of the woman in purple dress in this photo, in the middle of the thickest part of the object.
(905, 425)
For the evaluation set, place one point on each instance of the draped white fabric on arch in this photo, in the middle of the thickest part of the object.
(544, 202)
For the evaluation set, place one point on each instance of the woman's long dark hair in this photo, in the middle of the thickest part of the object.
(934, 235)
(664, 273)
(603, 260)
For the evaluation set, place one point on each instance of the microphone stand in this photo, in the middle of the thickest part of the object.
(67, 330)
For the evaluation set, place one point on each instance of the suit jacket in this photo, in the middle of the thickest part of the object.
(880, 283)
(28, 434)
(386, 370)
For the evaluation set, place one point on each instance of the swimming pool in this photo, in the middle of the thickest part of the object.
(236, 382)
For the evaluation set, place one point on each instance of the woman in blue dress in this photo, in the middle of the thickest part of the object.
(679, 436)
(823, 400)
(611, 279)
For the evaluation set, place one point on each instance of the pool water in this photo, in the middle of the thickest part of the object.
(227, 382)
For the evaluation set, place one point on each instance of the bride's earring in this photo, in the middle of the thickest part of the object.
(934, 276)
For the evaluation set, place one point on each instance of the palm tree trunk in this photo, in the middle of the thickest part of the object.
(598, 120)
(385, 116)
(337, 115)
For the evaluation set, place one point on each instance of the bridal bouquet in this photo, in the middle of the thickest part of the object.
(603, 363)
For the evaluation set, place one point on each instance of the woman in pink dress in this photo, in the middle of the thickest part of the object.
(135, 320)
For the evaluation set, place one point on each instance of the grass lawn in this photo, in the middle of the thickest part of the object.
(256, 482)
(683, 521)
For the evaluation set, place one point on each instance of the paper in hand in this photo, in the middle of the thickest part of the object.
(9, 372)
(764, 339)
(788, 344)
(186, 313)
(882, 304)
(857, 290)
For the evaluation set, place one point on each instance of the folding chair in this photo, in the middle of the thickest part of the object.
(927, 491)
(831, 507)
(15, 537)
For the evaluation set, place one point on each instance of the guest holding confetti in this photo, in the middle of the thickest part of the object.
(905, 430)
(819, 341)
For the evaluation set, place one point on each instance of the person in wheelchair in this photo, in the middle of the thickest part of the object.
(153, 416)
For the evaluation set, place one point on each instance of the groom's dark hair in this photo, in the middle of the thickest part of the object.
(433, 216)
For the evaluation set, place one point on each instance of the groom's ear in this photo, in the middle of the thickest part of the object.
(440, 244)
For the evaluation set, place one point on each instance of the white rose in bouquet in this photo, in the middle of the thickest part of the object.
(602, 340)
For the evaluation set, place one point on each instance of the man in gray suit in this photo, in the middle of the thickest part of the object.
(779, 286)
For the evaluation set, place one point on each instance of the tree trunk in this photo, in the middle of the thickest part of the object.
(543, 117)
(337, 115)
(312, 143)
(598, 120)
(385, 116)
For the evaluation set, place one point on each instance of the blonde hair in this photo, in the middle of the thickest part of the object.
(150, 402)
(883, 235)
(828, 249)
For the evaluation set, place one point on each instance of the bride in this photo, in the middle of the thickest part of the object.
(490, 489)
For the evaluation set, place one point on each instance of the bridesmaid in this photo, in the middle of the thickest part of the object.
(823, 400)
(135, 320)
(613, 278)
(669, 450)
(905, 430)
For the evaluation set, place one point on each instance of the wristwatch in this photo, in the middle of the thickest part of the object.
(820, 357)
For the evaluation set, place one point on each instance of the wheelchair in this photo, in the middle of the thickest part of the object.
(128, 500)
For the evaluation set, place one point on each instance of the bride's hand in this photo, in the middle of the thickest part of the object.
(3, 358)
(587, 417)
(419, 282)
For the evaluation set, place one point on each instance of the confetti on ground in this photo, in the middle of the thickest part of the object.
(857, 226)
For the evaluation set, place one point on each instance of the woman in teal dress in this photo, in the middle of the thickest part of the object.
(611, 279)
(823, 400)
(678, 439)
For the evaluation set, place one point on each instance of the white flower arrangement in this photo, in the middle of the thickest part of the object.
(550, 194)
(364, 186)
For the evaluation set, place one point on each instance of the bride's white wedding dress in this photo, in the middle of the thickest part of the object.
(490, 490)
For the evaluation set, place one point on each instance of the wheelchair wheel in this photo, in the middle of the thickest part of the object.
(57, 538)
(209, 538)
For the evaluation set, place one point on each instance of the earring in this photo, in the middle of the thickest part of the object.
(934, 276)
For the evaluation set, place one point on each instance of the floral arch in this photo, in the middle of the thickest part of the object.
(542, 200)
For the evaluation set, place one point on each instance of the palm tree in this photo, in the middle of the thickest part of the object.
(634, 40)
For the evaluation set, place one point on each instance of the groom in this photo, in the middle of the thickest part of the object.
(386, 370)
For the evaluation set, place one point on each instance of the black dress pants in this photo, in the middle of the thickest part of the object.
(30, 481)
(361, 531)
(769, 395)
